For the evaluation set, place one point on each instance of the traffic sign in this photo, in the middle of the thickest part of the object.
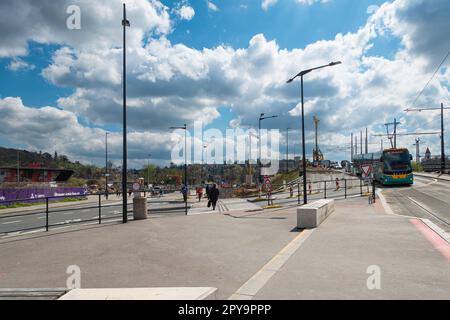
(366, 170)
(267, 184)
(136, 186)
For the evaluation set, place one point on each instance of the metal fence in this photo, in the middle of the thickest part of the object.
(51, 214)
(285, 194)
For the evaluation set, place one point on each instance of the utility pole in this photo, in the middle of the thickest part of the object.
(351, 149)
(287, 150)
(442, 131)
(395, 133)
(148, 170)
(356, 145)
(395, 123)
(417, 145)
(125, 23)
(361, 142)
(442, 140)
(106, 165)
(367, 142)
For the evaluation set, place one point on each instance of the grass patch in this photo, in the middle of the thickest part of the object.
(277, 206)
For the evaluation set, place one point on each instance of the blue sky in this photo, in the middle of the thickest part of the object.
(219, 66)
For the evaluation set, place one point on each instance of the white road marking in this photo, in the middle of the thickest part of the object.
(249, 289)
(11, 222)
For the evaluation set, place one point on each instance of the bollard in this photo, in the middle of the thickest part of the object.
(139, 208)
(345, 188)
(99, 209)
(325, 189)
(46, 214)
(373, 190)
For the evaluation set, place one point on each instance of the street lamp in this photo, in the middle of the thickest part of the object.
(287, 149)
(301, 74)
(261, 117)
(106, 165)
(185, 161)
(125, 23)
(148, 171)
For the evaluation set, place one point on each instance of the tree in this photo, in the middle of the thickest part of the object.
(233, 173)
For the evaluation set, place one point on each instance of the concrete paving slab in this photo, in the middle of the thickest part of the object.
(334, 262)
(142, 294)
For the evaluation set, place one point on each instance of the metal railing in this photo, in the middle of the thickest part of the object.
(323, 189)
(43, 210)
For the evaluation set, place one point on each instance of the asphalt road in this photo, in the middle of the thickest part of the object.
(428, 198)
(86, 213)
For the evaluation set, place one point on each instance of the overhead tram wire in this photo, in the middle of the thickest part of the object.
(432, 77)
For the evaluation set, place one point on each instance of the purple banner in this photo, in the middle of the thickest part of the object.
(29, 195)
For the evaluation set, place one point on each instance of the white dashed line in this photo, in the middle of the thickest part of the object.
(11, 222)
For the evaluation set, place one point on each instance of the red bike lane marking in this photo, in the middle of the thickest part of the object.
(436, 240)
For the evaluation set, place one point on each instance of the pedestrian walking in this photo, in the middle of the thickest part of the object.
(337, 184)
(214, 196)
(207, 191)
(269, 198)
(309, 187)
(199, 193)
(184, 191)
(291, 191)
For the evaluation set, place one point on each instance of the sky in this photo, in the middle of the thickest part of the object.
(220, 63)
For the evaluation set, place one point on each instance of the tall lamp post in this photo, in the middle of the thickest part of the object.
(301, 74)
(125, 23)
(261, 118)
(148, 171)
(185, 162)
(106, 165)
(287, 149)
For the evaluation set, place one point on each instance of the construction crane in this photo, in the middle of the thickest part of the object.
(317, 154)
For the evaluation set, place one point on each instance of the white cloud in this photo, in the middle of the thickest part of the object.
(268, 3)
(44, 22)
(50, 129)
(18, 64)
(172, 84)
(310, 2)
(212, 6)
(372, 9)
(185, 12)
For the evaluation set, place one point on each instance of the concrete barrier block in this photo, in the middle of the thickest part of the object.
(313, 214)
(140, 208)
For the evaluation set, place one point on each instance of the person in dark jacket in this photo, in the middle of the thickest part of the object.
(214, 196)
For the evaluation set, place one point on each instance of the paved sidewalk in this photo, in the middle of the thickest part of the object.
(335, 261)
(223, 206)
(226, 251)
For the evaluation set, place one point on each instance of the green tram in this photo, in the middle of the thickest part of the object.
(389, 167)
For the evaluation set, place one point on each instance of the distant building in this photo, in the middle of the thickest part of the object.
(427, 154)
(34, 174)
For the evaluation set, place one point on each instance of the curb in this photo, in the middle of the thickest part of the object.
(431, 177)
